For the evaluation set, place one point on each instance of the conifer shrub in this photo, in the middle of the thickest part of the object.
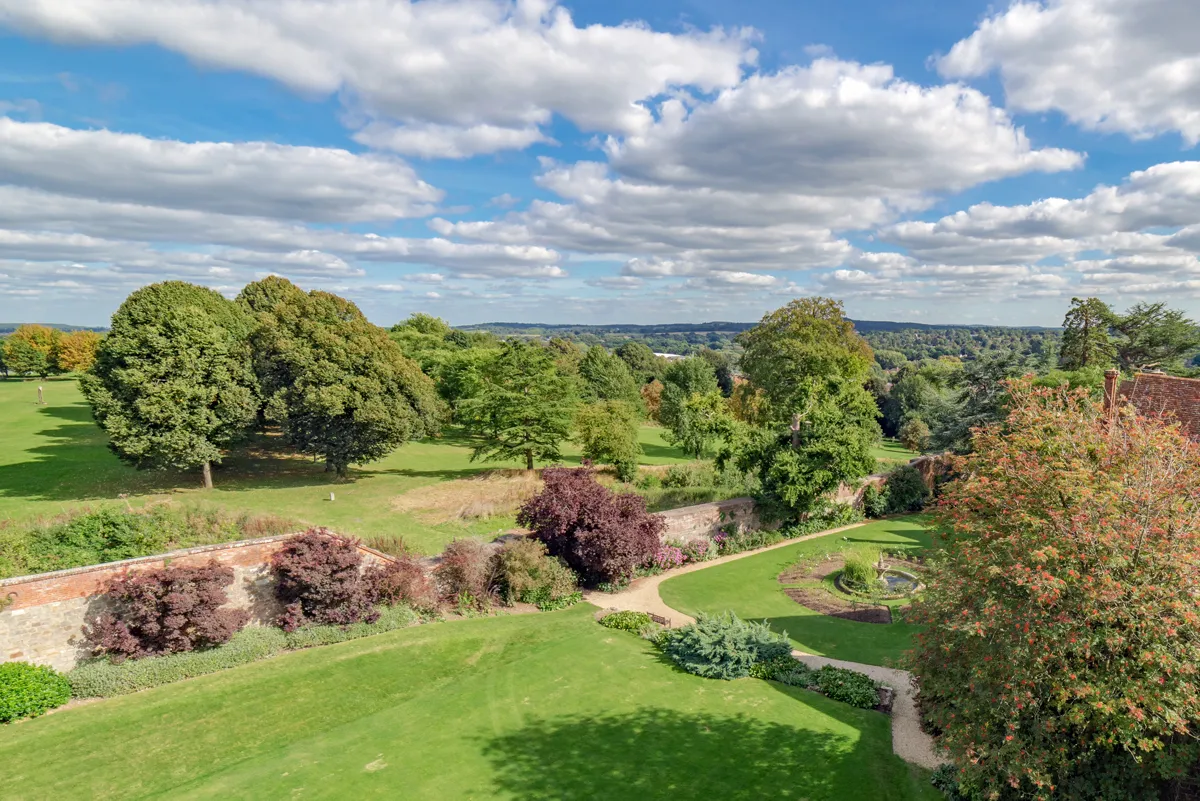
(603, 536)
(166, 611)
(723, 646)
(27, 691)
(318, 580)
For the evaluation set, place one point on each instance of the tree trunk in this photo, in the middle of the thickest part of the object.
(207, 468)
(528, 460)
(795, 430)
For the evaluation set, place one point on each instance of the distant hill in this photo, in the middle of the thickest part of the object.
(721, 327)
(8, 328)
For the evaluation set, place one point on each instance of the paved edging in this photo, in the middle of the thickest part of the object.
(909, 742)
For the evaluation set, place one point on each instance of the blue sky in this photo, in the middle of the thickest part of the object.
(603, 161)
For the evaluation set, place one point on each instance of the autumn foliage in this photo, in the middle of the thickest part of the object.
(600, 534)
(166, 611)
(1062, 639)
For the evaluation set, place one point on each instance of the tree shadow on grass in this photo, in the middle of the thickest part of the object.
(662, 451)
(659, 753)
(851, 640)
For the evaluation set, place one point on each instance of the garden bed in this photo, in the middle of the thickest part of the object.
(824, 603)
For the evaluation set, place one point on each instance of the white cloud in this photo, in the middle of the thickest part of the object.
(1128, 66)
(835, 128)
(471, 64)
(618, 282)
(430, 140)
(252, 178)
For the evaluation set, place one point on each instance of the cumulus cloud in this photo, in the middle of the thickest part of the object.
(476, 65)
(834, 128)
(253, 178)
(1109, 65)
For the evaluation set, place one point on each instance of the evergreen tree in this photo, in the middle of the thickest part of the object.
(1151, 336)
(1085, 339)
(172, 384)
(524, 408)
(337, 385)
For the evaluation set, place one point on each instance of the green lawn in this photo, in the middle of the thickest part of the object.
(890, 453)
(55, 459)
(750, 587)
(547, 706)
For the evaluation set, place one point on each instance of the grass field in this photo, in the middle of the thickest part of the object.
(750, 587)
(55, 459)
(890, 453)
(548, 706)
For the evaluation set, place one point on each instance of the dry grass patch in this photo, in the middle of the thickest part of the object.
(496, 493)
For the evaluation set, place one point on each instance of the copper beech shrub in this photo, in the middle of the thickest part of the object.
(1061, 644)
(165, 611)
(602, 535)
(318, 580)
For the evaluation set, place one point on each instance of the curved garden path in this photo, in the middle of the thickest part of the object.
(908, 741)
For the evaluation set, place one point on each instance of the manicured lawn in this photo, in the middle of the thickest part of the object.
(890, 453)
(548, 706)
(55, 458)
(750, 587)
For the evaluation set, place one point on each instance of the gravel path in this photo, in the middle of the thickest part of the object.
(908, 741)
(642, 595)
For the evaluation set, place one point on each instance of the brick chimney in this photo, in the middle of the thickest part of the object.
(1112, 380)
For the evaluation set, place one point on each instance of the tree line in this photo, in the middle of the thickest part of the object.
(44, 351)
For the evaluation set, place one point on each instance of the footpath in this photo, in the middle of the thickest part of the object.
(908, 741)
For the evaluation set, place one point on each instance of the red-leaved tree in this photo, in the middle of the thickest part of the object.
(403, 580)
(318, 580)
(1062, 639)
(600, 534)
(165, 611)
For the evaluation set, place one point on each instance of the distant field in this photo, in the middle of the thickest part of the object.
(54, 458)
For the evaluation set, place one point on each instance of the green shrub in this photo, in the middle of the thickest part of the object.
(528, 574)
(632, 622)
(101, 678)
(27, 691)
(875, 501)
(847, 686)
(858, 573)
(906, 490)
(770, 668)
(692, 474)
(390, 619)
(723, 646)
(945, 779)
(833, 515)
(735, 539)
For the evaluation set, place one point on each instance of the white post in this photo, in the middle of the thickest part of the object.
(40, 401)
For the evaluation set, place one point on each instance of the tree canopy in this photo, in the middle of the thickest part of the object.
(32, 350)
(524, 407)
(172, 384)
(608, 434)
(606, 377)
(1085, 339)
(1060, 642)
(337, 385)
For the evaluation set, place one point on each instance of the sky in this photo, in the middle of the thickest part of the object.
(603, 161)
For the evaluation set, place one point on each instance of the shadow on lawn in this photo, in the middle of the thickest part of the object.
(658, 753)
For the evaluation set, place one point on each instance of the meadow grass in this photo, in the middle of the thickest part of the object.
(547, 706)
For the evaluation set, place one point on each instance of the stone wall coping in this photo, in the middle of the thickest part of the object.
(147, 560)
(704, 507)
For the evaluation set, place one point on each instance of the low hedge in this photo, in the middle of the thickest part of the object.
(27, 691)
(632, 622)
(101, 678)
(848, 686)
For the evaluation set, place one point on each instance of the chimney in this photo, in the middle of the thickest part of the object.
(1112, 379)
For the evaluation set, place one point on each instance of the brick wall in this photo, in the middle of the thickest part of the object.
(705, 520)
(42, 616)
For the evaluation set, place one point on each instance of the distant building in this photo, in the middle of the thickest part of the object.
(1157, 395)
(671, 357)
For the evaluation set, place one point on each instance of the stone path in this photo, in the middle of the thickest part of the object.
(908, 741)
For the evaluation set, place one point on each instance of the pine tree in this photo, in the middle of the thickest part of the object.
(1085, 339)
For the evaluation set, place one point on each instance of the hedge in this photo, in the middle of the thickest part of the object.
(102, 678)
(27, 691)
